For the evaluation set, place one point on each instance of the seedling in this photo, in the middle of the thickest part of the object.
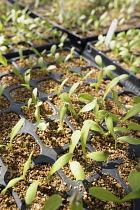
(31, 191)
(64, 105)
(2, 87)
(3, 60)
(53, 202)
(52, 50)
(62, 40)
(42, 65)
(75, 166)
(58, 90)
(37, 103)
(27, 78)
(37, 52)
(14, 181)
(14, 132)
(105, 195)
(103, 70)
(17, 73)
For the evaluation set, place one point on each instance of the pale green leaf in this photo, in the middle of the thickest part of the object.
(134, 126)
(77, 170)
(59, 163)
(27, 164)
(74, 140)
(11, 183)
(76, 202)
(98, 156)
(89, 107)
(16, 129)
(84, 97)
(130, 196)
(103, 194)
(129, 140)
(121, 129)
(3, 60)
(73, 88)
(31, 192)
(53, 202)
(134, 180)
(133, 111)
(109, 124)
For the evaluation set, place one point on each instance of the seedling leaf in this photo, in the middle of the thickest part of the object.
(53, 203)
(31, 192)
(77, 170)
(134, 180)
(103, 194)
(98, 156)
(84, 97)
(133, 111)
(59, 163)
(129, 139)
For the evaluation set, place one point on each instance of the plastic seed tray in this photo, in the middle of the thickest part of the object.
(49, 155)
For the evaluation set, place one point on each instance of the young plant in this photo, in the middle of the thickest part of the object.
(14, 181)
(3, 60)
(27, 78)
(53, 202)
(62, 40)
(75, 166)
(105, 195)
(63, 106)
(2, 87)
(52, 51)
(103, 70)
(42, 65)
(41, 125)
(37, 52)
(14, 132)
(31, 191)
(58, 90)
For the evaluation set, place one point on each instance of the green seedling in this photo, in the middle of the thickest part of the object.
(42, 65)
(66, 100)
(63, 106)
(53, 202)
(14, 181)
(112, 130)
(75, 166)
(18, 74)
(41, 125)
(59, 59)
(3, 60)
(28, 104)
(87, 126)
(2, 87)
(52, 50)
(76, 202)
(84, 77)
(14, 132)
(58, 90)
(101, 21)
(62, 40)
(107, 70)
(70, 55)
(105, 195)
(27, 78)
(21, 54)
(66, 104)
(37, 52)
(31, 191)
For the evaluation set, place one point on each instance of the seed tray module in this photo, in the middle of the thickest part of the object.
(54, 90)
